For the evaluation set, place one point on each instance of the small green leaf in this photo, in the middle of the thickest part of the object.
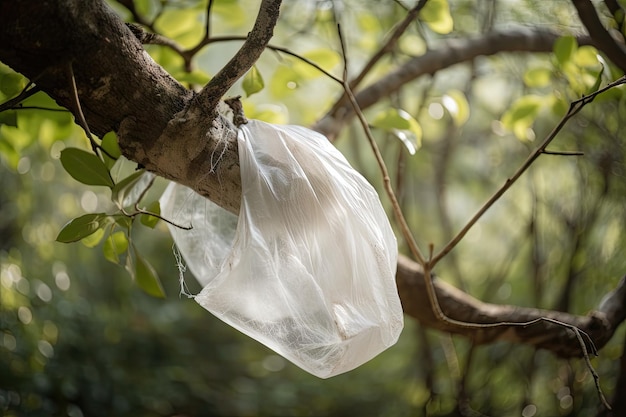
(81, 227)
(110, 145)
(402, 125)
(11, 84)
(522, 114)
(524, 108)
(148, 220)
(558, 104)
(147, 278)
(8, 117)
(253, 81)
(537, 77)
(564, 48)
(284, 81)
(93, 239)
(392, 119)
(437, 16)
(122, 220)
(115, 245)
(596, 85)
(122, 188)
(457, 106)
(586, 56)
(179, 22)
(85, 167)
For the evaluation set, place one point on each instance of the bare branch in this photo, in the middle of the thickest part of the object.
(450, 53)
(575, 107)
(243, 60)
(387, 47)
(603, 39)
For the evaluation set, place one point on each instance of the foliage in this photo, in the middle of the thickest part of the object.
(77, 338)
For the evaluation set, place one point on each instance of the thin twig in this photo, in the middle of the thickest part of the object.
(383, 168)
(563, 153)
(78, 108)
(82, 122)
(246, 56)
(575, 107)
(35, 108)
(207, 24)
(428, 264)
(390, 44)
(306, 61)
(23, 95)
(139, 210)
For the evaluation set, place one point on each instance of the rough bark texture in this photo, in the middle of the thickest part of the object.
(122, 89)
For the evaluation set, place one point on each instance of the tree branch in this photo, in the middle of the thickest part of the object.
(603, 39)
(243, 60)
(450, 53)
(600, 325)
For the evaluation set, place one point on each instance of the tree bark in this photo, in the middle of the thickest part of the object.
(166, 128)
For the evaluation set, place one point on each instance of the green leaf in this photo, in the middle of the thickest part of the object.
(457, 106)
(558, 104)
(92, 240)
(122, 220)
(8, 117)
(524, 108)
(122, 188)
(402, 125)
(85, 167)
(252, 81)
(147, 278)
(115, 245)
(538, 77)
(110, 145)
(522, 114)
(437, 16)
(596, 85)
(284, 81)
(81, 227)
(586, 56)
(564, 48)
(11, 84)
(151, 221)
(182, 24)
(392, 119)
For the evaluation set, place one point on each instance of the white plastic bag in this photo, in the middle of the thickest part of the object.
(308, 267)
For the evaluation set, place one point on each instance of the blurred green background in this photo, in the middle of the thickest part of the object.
(79, 338)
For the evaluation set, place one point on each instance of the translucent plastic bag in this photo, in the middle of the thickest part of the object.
(308, 267)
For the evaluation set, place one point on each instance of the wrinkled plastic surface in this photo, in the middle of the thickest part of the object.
(308, 267)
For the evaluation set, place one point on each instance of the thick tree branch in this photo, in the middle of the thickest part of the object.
(603, 39)
(450, 53)
(600, 325)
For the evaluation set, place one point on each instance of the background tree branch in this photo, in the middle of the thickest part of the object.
(447, 54)
(603, 39)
